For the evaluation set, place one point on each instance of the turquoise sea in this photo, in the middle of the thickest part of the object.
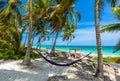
(106, 50)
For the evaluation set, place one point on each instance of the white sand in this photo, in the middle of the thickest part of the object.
(40, 71)
(12, 71)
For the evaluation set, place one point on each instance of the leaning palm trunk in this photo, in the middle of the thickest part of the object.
(27, 60)
(25, 41)
(67, 46)
(53, 48)
(33, 40)
(39, 46)
(99, 72)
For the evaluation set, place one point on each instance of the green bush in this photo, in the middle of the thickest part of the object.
(34, 55)
(118, 61)
(11, 54)
(110, 60)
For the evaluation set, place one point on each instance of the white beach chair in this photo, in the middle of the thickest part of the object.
(48, 50)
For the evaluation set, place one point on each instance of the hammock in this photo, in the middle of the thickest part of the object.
(57, 64)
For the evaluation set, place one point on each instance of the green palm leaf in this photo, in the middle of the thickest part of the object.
(78, 15)
(2, 4)
(113, 2)
(117, 47)
(116, 11)
(111, 27)
(5, 12)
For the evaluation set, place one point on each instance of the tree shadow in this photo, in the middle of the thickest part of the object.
(107, 78)
(11, 75)
(39, 71)
(117, 77)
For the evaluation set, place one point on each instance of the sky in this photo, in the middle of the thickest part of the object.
(85, 32)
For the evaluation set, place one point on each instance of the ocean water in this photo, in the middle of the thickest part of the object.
(106, 50)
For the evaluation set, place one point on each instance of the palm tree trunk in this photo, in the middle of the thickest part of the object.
(99, 71)
(33, 39)
(53, 48)
(67, 46)
(25, 41)
(52, 38)
(27, 59)
(39, 46)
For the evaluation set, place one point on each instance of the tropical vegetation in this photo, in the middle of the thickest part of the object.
(44, 19)
(99, 72)
(109, 60)
(114, 27)
(99, 4)
(55, 20)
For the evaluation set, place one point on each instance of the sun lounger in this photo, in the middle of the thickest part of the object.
(48, 50)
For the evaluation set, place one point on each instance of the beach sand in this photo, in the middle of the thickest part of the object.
(12, 70)
(40, 71)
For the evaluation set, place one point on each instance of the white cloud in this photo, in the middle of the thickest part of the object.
(110, 38)
(84, 37)
(85, 23)
(102, 23)
(88, 37)
(110, 22)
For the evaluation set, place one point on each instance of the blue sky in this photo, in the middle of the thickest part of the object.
(85, 32)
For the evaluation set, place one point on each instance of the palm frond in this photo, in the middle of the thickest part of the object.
(78, 15)
(117, 47)
(113, 2)
(5, 12)
(111, 28)
(116, 11)
(74, 24)
(2, 3)
(19, 16)
(101, 6)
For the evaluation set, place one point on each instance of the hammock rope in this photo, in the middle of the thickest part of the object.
(57, 64)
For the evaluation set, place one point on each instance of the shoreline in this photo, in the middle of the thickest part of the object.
(86, 52)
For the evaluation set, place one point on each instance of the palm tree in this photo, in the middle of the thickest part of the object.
(42, 10)
(59, 17)
(40, 13)
(98, 9)
(45, 13)
(117, 46)
(116, 11)
(111, 28)
(2, 4)
(9, 14)
(27, 59)
(55, 40)
(11, 36)
(12, 8)
(42, 31)
(113, 2)
(99, 72)
(114, 27)
(68, 35)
